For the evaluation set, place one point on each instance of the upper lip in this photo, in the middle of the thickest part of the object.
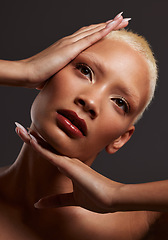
(74, 119)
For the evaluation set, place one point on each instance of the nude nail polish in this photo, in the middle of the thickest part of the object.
(118, 15)
(126, 19)
(32, 137)
(21, 127)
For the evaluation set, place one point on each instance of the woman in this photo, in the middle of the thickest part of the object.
(68, 116)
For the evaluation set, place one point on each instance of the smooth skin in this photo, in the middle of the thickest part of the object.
(17, 203)
(90, 189)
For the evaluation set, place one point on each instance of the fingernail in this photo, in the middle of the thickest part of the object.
(32, 137)
(29, 129)
(118, 15)
(17, 130)
(36, 205)
(126, 19)
(21, 127)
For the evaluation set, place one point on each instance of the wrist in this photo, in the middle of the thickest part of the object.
(133, 197)
(116, 195)
(125, 197)
(27, 71)
(13, 73)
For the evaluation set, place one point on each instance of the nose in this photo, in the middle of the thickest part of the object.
(88, 104)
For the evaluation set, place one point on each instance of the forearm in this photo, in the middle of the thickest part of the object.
(36, 70)
(13, 73)
(146, 196)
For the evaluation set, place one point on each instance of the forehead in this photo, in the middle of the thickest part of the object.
(117, 61)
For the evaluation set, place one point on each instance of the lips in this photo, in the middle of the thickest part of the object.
(71, 123)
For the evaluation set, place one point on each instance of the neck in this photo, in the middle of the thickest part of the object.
(31, 177)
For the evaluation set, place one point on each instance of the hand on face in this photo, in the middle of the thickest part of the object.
(46, 63)
(91, 190)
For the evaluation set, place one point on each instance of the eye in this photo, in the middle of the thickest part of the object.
(122, 103)
(85, 70)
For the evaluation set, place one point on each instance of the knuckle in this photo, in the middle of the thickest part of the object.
(83, 28)
(92, 25)
(64, 41)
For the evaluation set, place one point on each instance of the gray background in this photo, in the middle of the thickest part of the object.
(27, 27)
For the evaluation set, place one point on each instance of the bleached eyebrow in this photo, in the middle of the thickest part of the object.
(131, 95)
(125, 90)
(95, 61)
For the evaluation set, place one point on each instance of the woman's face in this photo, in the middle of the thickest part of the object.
(106, 86)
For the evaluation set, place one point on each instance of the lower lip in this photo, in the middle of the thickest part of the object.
(70, 129)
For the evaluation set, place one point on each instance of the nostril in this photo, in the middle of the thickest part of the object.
(88, 106)
(92, 113)
(81, 102)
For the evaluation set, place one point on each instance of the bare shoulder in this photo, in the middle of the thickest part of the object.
(130, 225)
(140, 225)
(118, 226)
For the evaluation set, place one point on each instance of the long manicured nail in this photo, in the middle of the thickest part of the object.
(126, 19)
(21, 127)
(37, 204)
(118, 15)
(29, 130)
(32, 137)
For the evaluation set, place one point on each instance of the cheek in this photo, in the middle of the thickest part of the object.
(56, 91)
(108, 129)
(61, 87)
(113, 122)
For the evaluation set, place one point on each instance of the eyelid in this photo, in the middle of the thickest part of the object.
(127, 103)
(123, 99)
(86, 65)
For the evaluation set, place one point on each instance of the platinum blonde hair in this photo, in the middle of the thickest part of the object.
(140, 44)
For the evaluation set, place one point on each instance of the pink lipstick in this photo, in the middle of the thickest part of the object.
(71, 124)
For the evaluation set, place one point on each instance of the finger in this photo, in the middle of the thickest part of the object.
(100, 30)
(93, 26)
(123, 24)
(40, 140)
(22, 133)
(54, 201)
(84, 29)
(49, 155)
(88, 40)
(40, 87)
(68, 166)
(26, 136)
(87, 31)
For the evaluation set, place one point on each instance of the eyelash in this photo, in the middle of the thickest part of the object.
(125, 105)
(82, 66)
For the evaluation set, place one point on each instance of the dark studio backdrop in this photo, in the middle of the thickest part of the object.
(27, 27)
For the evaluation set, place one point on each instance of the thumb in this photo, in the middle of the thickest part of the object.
(54, 201)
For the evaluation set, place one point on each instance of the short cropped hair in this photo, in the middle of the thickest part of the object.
(140, 44)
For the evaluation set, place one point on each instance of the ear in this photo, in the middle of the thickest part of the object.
(119, 142)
